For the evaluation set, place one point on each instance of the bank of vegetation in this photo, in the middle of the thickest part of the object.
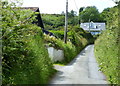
(108, 44)
(25, 59)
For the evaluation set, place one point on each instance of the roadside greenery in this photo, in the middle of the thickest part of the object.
(107, 47)
(69, 49)
(25, 60)
(90, 13)
(77, 40)
(57, 21)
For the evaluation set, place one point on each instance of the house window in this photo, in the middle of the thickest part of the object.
(96, 27)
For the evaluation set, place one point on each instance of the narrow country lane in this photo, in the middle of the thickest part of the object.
(82, 70)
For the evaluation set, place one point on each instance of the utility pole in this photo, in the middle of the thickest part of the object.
(89, 24)
(66, 23)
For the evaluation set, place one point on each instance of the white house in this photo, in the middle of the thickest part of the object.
(93, 27)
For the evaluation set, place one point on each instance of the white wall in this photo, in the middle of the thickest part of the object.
(55, 55)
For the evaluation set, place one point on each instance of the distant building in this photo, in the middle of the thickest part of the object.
(93, 27)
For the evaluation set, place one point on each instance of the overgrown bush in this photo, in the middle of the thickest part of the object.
(58, 34)
(69, 49)
(76, 42)
(73, 32)
(80, 38)
(24, 58)
(107, 47)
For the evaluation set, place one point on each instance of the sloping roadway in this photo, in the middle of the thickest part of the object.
(82, 70)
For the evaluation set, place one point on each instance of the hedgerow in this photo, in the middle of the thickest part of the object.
(107, 47)
(25, 60)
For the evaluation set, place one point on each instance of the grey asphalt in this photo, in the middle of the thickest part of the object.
(82, 70)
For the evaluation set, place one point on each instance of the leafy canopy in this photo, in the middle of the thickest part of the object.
(89, 13)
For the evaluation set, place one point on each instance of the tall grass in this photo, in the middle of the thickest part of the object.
(106, 51)
(107, 48)
(29, 63)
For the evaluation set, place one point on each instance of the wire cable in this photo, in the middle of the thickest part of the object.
(76, 5)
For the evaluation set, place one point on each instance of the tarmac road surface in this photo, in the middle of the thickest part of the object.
(82, 70)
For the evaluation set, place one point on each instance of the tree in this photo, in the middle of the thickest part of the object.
(72, 17)
(89, 13)
(81, 9)
(72, 13)
(63, 13)
(105, 13)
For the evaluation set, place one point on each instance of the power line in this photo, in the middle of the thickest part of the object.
(76, 5)
(78, 12)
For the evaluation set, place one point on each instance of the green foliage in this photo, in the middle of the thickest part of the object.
(53, 21)
(80, 38)
(24, 58)
(90, 13)
(58, 34)
(72, 13)
(104, 15)
(75, 44)
(69, 49)
(56, 21)
(107, 47)
(27, 63)
(81, 9)
(72, 18)
(71, 30)
(77, 41)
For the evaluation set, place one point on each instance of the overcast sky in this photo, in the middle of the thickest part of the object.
(57, 6)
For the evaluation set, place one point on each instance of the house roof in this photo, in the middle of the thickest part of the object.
(96, 26)
(94, 23)
(31, 8)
